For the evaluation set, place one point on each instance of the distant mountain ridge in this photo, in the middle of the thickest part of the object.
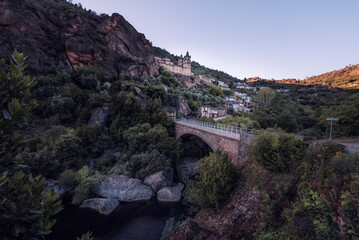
(346, 78)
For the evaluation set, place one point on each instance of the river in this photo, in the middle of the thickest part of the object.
(130, 221)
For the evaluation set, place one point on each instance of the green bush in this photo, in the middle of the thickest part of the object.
(141, 165)
(64, 107)
(88, 179)
(217, 180)
(279, 153)
(68, 150)
(328, 150)
(143, 138)
(69, 179)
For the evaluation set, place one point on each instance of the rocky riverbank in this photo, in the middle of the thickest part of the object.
(116, 188)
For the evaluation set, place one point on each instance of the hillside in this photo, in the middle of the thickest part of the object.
(57, 33)
(196, 67)
(347, 77)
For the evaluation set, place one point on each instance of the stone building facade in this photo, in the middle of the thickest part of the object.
(183, 66)
(212, 112)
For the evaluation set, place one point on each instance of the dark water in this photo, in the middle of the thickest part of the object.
(130, 221)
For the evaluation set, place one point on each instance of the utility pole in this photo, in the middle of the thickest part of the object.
(331, 126)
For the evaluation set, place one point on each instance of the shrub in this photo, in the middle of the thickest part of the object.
(98, 99)
(345, 163)
(64, 106)
(68, 150)
(143, 138)
(217, 179)
(328, 150)
(141, 165)
(86, 77)
(69, 179)
(87, 179)
(104, 164)
(144, 164)
(279, 153)
(92, 141)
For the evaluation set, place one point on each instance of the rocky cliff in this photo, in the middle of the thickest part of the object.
(55, 32)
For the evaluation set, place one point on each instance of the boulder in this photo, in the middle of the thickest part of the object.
(183, 107)
(170, 194)
(123, 188)
(102, 205)
(187, 168)
(159, 180)
(107, 85)
(98, 117)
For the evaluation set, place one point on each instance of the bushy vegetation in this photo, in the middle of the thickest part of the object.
(215, 183)
(317, 191)
(279, 153)
(25, 212)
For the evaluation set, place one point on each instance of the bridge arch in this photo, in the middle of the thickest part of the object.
(203, 137)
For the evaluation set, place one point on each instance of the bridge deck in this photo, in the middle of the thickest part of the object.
(205, 126)
(225, 130)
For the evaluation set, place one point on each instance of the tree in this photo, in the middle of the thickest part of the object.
(216, 91)
(25, 213)
(217, 179)
(266, 97)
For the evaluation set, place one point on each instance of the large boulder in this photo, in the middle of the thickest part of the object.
(187, 168)
(102, 205)
(159, 180)
(124, 189)
(170, 194)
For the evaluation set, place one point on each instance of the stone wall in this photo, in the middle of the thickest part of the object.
(183, 68)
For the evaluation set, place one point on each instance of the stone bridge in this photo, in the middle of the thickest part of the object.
(231, 140)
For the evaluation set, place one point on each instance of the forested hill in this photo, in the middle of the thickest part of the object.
(208, 72)
(196, 67)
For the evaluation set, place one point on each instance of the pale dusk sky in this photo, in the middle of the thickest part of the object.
(246, 38)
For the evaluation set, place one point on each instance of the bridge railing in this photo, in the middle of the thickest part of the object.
(223, 127)
(227, 129)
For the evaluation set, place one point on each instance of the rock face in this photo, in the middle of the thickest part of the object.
(98, 117)
(170, 194)
(159, 180)
(124, 189)
(240, 216)
(183, 107)
(189, 230)
(102, 205)
(58, 33)
(187, 168)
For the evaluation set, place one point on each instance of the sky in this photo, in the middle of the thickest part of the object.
(247, 38)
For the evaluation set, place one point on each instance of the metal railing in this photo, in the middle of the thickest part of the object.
(222, 129)
(227, 130)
